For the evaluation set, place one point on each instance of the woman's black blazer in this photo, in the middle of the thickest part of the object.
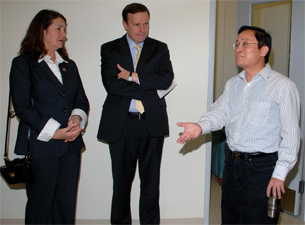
(37, 96)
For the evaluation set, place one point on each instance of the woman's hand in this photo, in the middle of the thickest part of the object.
(71, 132)
(74, 121)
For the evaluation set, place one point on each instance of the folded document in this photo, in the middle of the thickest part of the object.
(162, 93)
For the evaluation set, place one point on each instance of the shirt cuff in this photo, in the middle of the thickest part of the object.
(82, 114)
(48, 131)
(280, 172)
(204, 127)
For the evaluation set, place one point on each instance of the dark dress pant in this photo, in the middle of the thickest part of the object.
(52, 199)
(244, 187)
(136, 146)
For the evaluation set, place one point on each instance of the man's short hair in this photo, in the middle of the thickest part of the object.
(263, 38)
(133, 8)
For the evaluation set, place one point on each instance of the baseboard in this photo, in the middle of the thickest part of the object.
(11, 221)
(184, 221)
(187, 221)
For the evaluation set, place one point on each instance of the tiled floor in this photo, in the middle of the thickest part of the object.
(215, 217)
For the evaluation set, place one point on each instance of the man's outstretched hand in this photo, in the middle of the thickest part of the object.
(191, 132)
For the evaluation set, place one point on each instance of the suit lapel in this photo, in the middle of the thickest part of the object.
(64, 73)
(145, 53)
(125, 53)
(44, 68)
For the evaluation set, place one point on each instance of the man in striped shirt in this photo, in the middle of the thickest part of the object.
(260, 110)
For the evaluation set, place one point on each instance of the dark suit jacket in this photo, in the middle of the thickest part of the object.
(51, 99)
(155, 72)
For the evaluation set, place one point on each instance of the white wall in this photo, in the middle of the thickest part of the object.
(184, 26)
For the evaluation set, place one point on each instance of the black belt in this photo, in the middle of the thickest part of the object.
(244, 155)
(136, 115)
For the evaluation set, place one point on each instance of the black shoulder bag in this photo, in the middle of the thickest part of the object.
(18, 170)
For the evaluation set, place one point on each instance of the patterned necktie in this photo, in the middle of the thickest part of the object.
(138, 104)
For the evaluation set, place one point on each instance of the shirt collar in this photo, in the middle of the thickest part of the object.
(264, 73)
(58, 59)
(132, 44)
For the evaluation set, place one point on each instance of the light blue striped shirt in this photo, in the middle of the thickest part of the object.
(259, 116)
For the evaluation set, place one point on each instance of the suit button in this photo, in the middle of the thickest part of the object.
(63, 94)
(65, 110)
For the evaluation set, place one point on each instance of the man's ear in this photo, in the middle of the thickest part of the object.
(125, 25)
(264, 50)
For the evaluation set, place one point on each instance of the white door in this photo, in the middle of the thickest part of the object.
(295, 66)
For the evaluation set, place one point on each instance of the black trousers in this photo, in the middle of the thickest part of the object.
(244, 187)
(52, 199)
(136, 146)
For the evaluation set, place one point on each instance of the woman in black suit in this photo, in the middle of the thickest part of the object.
(50, 101)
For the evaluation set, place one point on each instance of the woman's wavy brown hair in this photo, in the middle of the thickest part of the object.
(32, 44)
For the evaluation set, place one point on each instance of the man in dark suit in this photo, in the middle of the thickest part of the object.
(134, 68)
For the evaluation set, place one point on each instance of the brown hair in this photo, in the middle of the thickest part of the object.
(133, 8)
(32, 44)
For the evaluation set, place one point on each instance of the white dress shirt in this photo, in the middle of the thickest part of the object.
(52, 125)
(259, 116)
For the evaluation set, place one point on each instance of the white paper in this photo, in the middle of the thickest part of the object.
(162, 93)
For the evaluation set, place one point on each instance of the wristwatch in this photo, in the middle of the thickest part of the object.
(130, 77)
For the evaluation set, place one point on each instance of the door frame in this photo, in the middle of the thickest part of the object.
(296, 73)
(208, 152)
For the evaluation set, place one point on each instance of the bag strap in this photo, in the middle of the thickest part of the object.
(10, 114)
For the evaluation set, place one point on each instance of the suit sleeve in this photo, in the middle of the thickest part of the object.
(113, 85)
(161, 77)
(20, 88)
(81, 101)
